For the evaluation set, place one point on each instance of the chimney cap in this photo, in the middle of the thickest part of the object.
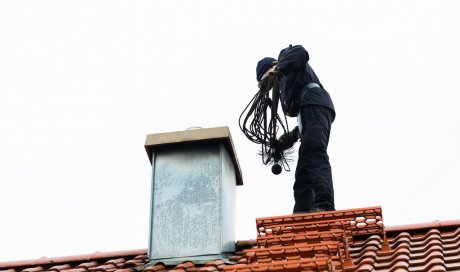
(195, 135)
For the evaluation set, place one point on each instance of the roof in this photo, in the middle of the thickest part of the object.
(345, 240)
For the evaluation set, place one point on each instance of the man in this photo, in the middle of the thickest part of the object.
(303, 95)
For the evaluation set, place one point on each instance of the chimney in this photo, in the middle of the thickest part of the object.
(194, 179)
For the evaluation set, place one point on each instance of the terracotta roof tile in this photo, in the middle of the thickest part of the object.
(208, 269)
(215, 263)
(418, 248)
(126, 270)
(81, 269)
(155, 268)
(185, 265)
(142, 258)
(117, 262)
(9, 270)
(34, 269)
(133, 263)
(60, 267)
(88, 265)
(346, 240)
(106, 267)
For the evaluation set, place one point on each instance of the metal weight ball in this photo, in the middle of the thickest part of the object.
(276, 169)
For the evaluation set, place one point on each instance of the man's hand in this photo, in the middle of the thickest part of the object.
(288, 139)
(275, 73)
(263, 84)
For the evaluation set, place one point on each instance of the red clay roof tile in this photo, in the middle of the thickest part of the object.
(208, 269)
(9, 270)
(414, 250)
(133, 263)
(155, 268)
(34, 269)
(88, 264)
(117, 262)
(60, 267)
(77, 270)
(107, 267)
(215, 263)
(126, 270)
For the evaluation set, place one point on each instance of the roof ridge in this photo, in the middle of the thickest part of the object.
(427, 225)
(76, 258)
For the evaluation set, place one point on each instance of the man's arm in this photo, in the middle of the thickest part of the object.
(292, 58)
(288, 139)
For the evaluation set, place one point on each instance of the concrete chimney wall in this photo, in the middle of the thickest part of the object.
(194, 179)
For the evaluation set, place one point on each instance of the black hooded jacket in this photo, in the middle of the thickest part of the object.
(297, 74)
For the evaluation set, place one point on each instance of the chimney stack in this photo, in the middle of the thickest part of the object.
(194, 179)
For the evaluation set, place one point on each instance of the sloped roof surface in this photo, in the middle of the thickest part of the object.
(422, 247)
(346, 240)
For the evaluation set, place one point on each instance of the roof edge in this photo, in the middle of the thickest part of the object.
(69, 259)
(420, 226)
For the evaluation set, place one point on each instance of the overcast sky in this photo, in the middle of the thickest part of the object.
(83, 82)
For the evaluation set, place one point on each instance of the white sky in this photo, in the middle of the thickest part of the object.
(83, 82)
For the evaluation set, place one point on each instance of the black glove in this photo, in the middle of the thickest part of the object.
(275, 73)
(263, 84)
(288, 139)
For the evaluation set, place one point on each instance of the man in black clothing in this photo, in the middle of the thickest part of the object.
(303, 95)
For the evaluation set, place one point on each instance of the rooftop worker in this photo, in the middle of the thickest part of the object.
(303, 95)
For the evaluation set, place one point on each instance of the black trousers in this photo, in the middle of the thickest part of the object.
(313, 186)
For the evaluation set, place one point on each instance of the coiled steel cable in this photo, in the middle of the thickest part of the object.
(261, 126)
